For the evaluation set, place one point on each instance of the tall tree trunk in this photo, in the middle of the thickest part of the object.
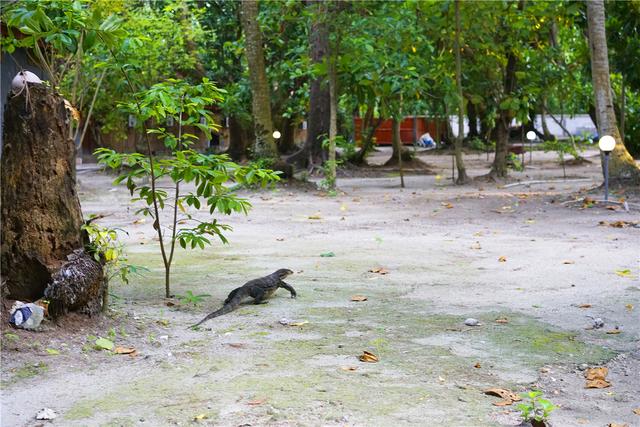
(319, 97)
(41, 217)
(623, 106)
(473, 120)
(333, 119)
(265, 145)
(546, 134)
(457, 144)
(499, 166)
(369, 126)
(191, 47)
(287, 143)
(622, 167)
(237, 140)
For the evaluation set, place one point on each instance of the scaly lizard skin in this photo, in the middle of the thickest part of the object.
(258, 289)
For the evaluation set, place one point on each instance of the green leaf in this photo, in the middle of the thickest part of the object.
(52, 352)
(327, 255)
(104, 344)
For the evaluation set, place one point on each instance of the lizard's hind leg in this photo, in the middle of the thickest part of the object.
(259, 296)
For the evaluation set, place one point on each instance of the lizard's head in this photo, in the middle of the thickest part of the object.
(283, 272)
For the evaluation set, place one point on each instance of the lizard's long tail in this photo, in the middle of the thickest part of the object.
(227, 308)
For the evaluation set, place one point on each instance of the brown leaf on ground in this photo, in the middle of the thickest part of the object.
(619, 224)
(568, 262)
(629, 307)
(508, 396)
(379, 270)
(502, 320)
(256, 402)
(349, 368)
(502, 259)
(368, 357)
(477, 365)
(596, 377)
(358, 298)
(585, 306)
(613, 208)
(237, 345)
(315, 216)
(169, 304)
(614, 332)
(636, 411)
(124, 350)
(617, 425)
(447, 205)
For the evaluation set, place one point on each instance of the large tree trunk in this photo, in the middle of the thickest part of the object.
(473, 120)
(237, 140)
(41, 216)
(622, 167)
(499, 166)
(265, 145)
(319, 97)
(457, 143)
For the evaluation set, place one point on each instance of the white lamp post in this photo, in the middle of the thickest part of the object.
(531, 135)
(607, 143)
(276, 134)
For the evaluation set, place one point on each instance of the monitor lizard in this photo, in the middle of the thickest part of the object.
(258, 289)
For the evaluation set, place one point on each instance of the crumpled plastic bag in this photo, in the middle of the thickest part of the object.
(26, 316)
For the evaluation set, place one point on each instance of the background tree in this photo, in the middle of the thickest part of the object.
(622, 167)
(265, 145)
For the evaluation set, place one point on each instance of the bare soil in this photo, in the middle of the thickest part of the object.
(525, 255)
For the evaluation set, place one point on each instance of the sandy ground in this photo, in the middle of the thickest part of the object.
(442, 247)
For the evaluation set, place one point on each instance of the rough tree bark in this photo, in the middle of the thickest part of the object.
(622, 167)
(265, 146)
(41, 216)
(319, 97)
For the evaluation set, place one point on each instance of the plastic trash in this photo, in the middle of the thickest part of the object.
(26, 316)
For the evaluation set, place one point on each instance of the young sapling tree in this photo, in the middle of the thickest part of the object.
(186, 105)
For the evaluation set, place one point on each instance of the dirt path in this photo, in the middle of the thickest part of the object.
(442, 247)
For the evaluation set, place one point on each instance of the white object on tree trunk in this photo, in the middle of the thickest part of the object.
(21, 79)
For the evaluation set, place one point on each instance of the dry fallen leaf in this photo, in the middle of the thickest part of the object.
(477, 365)
(502, 259)
(368, 357)
(124, 350)
(256, 402)
(237, 345)
(629, 307)
(303, 322)
(140, 221)
(568, 262)
(596, 378)
(636, 411)
(508, 396)
(617, 425)
(584, 306)
(349, 368)
(614, 332)
(315, 216)
(502, 320)
(200, 417)
(358, 298)
(379, 270)
(624, 273)
(447, 205)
